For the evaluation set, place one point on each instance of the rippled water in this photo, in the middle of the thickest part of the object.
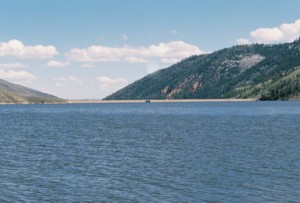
(150, 152)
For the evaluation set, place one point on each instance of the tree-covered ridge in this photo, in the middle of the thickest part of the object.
(283, 86)
(222, 74)
(13, 93)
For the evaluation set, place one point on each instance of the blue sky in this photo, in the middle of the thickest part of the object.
(88, 49)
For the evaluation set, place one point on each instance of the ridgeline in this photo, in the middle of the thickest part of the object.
(265, 72)
(16, 94)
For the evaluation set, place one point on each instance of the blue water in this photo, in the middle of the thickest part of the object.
(150, 152)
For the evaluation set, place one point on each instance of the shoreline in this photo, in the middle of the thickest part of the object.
(156, 101)
(100, 101)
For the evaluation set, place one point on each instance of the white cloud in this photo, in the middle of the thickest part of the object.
(107, 83)
(241, 41)
(87, 65)
(57, 84)
(15, 48)
(13, 65)
(267, 35)
(11, 74)
(69, 78)
(124, 36)
(286, 32)
(58, 64)
(165, 52)
(133, 59)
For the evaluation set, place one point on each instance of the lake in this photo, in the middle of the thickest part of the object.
(150, 152)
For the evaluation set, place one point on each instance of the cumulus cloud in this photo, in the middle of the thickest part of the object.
(68, 79)
(165, 52)
(133, 59)
(11, 74)
(267, 35)
(58, 64)
(57, 84)
(243, 41)
(107, 83)
(286, 32)
(13, 65)
(16, 48)
(87, 65)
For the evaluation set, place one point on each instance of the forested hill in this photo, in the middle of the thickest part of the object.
(16, 94)
(243, 71)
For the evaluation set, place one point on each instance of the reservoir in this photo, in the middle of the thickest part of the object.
(150, 152)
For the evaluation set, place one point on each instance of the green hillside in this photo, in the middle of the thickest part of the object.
(13, 94)
(236, 72)
(283, 86)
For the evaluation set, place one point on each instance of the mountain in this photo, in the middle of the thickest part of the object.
(243, 71)
(13, 93)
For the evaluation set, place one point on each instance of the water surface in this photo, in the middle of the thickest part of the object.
(150, 152)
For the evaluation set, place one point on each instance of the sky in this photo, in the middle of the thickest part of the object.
(88, 49)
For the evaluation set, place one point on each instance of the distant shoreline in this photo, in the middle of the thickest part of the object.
(99, 101)
(158, 101)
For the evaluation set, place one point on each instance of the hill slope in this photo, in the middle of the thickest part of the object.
(13, 93)
(228, 73)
